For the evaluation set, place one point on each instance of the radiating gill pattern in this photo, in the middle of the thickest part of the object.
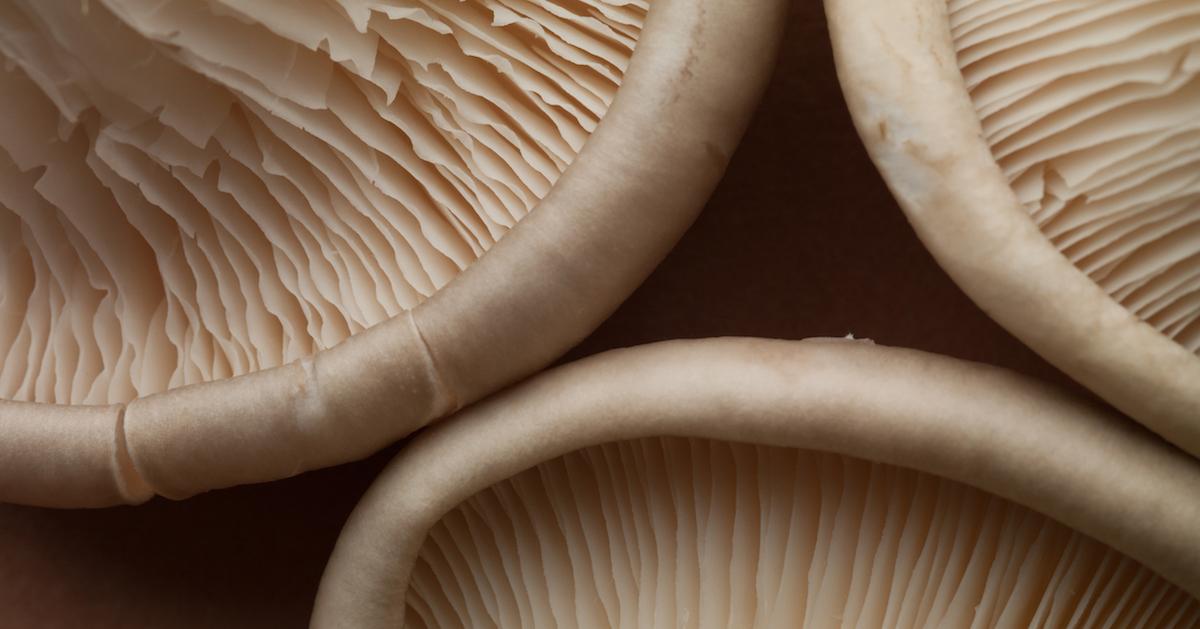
(700, 534)
(196, 189)
(1092, 108)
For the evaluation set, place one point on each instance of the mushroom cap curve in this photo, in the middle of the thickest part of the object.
(901, 76)
(635, 186)
(986, 427)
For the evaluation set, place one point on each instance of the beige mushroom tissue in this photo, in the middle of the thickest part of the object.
(1092, 110)
(692, 533)
(1047, 152)
(197, 190)
(242, 240)
(756, 483)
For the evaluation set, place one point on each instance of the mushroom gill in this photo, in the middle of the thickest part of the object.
(195, 190)
(1092, 110)
(674, 532)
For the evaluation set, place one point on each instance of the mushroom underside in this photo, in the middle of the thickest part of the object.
(1092, 110)
(196, 190)
(675, 532)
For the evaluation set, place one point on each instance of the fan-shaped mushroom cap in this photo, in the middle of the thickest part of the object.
(1048, 154)
(270, 202)
(523, 512)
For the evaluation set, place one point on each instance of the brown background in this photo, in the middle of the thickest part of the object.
(801, 239)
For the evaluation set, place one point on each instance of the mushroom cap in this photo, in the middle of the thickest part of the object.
(637, 182)
(1046, 154)
(981, 426)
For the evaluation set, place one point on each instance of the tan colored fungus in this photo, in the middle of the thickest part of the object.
(238, 184)
(1048, 154)
(695, 533)
(1092, 110)
(745, 483)
(271, 203)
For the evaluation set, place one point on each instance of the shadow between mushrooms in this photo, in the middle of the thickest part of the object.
(751, 483)
(233, 233)
(1048, 154)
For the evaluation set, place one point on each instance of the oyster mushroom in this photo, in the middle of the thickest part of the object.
(233, 233)
(744, 482)
(1048, 155)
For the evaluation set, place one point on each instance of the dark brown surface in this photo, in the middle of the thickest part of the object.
(801, 239)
